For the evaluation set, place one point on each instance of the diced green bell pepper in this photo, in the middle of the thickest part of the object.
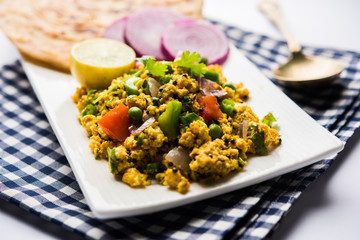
(169, 120)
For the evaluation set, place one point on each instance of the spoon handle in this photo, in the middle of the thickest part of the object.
(271, 10)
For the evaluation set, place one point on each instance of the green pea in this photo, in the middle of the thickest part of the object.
(215, 131)
(135, 115)
(230, 85)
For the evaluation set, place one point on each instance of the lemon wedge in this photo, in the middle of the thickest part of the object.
(96, 62)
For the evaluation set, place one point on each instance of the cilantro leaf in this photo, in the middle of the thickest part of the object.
(155, 68)
(258, 138)
(269, 119)
(191, 61)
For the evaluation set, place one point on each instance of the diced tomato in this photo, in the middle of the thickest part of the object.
(139, 65)
(116, 123)
(211, 108)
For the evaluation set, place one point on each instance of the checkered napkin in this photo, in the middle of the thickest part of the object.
(36, 176)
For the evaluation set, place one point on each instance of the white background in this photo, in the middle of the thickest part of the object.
(330, 207)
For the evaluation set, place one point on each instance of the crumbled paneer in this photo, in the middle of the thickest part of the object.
(173, 178)
(134, 178)
(212, 138)
(195, 135)
(214, 159)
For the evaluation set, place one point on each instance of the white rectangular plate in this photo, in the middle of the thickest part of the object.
(304, 142)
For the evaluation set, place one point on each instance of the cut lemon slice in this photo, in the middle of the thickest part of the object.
(96, 62)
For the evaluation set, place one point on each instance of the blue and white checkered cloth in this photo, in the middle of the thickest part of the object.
(35, 175)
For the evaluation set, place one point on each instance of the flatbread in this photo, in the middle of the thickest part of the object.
(45, 30)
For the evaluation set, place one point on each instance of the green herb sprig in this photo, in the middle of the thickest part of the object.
(191, 61)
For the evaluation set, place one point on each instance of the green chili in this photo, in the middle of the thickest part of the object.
(227, 106)
(146, 88)
(230, 85)
(187, 118)
(130, 87)
(213, 76)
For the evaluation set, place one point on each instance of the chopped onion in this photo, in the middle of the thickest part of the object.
(154, 87)
(134, 129)
(243, 129)
(145, 116)
(208, 87)
(180, 158)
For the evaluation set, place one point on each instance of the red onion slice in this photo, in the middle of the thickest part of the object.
(116, 30)
(137, 129)
(196, 36)
(144, 28)
(208, 87)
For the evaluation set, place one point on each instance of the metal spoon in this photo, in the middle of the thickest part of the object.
(300, 69)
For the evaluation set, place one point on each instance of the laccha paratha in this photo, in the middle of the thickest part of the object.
(45, 30)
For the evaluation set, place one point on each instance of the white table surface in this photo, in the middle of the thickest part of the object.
(330, 207)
